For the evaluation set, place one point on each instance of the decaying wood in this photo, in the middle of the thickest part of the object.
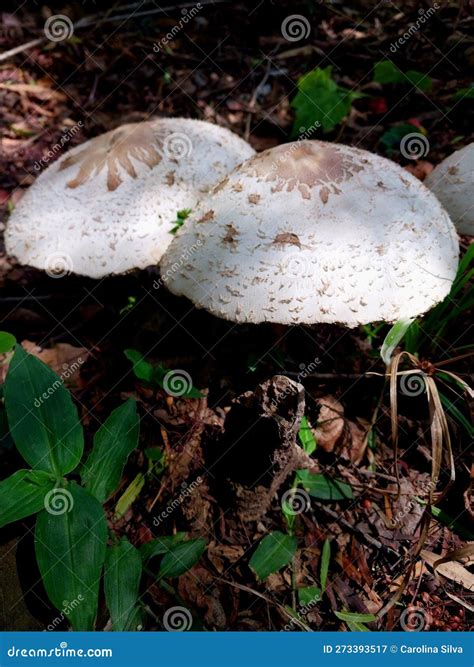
(259, 447)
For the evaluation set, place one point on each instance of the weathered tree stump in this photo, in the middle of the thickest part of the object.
(258, 449)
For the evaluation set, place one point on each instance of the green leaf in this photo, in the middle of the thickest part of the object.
(325, 558)
(464, 93)
(122, 574)
(181, 558)
(391, 138)
(160, 546)
(113, 443)
(320, 102)
(23, 494)
(180, 219)
(135, 620)
(453, 524)
(386, 72)
(43, 419)
(70, 550)
(308, 441)
(129, 496)
(324, 488)
(419, 80)
(353, 617)
(309, 595)
(142, 369)
(274, 552)
(456, 414)
(7, 342)
(394, 337)
(162, 377)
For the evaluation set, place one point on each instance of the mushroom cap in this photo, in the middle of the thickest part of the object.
(108, 205)
(315, 232)
(452, 181)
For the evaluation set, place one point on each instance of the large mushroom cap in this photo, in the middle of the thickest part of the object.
(315, 232)
(108, 205)
(452, 181)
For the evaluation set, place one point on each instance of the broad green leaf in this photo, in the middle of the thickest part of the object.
(386, 72)
(308, 441)
(23, 494)
(160, 546)
(354, 617)
(309, 595)
(419, 80)
(113, 443)
(320, 102)
(135, 620)
(43, 419)
(274, 552)
(393, 338)
(181, 558)
(142, 369)
(122, 573)
(325, 558)
(324, 488)
(7, 342)
(70, 550)
(129, 496)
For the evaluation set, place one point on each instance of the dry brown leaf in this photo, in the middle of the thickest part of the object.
(452, 570)
(420, 169)
(330, 425)
(418, 570)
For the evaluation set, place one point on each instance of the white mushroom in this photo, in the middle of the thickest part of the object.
(108, 205)
(452, 181)
(315, 232)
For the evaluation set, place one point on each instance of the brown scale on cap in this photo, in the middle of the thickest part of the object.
(287, 237)
(305, 166)
(135, 140)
